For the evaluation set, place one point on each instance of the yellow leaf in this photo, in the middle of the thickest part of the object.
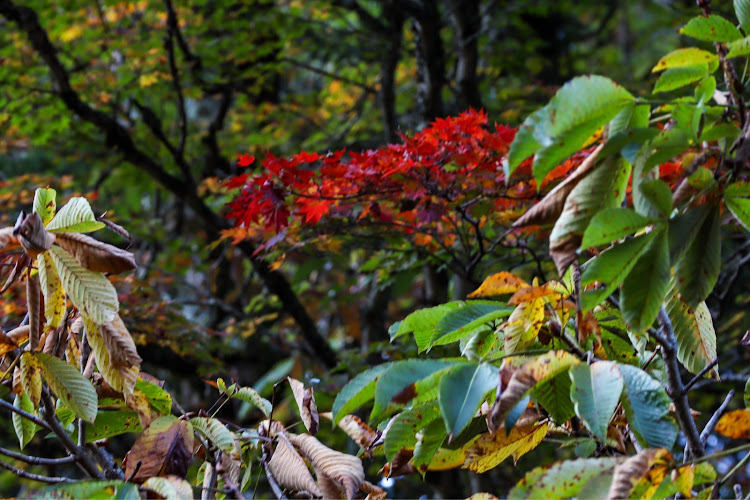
(523, 325)
(71, 33)
(445, 459)
(31, 378)
(499, 284)
(735, 424)
(147, 80)
(115, 354)
(489, 451)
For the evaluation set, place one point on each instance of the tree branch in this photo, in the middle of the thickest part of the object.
(37, 460)
(35, 477)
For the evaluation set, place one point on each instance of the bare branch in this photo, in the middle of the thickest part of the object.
(35, 477)
(37, 460)
(709, 428)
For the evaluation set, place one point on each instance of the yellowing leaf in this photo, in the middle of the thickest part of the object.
(499, 284)
(115, 354)
(735, 424)
(631, 471)
(489, 451)
(523, 325)
(54, 294)
(31, 378)
(165, 448)
(147, 80)
(71, 33)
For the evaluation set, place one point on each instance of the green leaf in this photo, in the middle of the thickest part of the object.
(462, 390)
(55, 306)
(739, 48)
(91, 292)
(554, 395)
(611, 224)
(723, 131)
(595, 393)
(675, 78)
(429, 439)
(25, 429)
(159, 399)
(75, 217)
(466, 319)
(694, 330)
(683, 229)
(657, 193)
(481, 344)
(704, 92)
(119, 490)
(112, 423)
(397, 385)
(357, 392)
(698, 269)
(562, 479)
(646, 285)
(684, 57)
(402, 432)
(250, 395)
(75, 391)
(713, 28)
(216, 432)
(737, 200)
(423, 322)
(611, 267)
(646, 406)
(525, 142)
(742, 11)
(44, 203)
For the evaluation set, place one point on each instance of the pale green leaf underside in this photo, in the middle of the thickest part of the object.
(75, 391)
(76, 216)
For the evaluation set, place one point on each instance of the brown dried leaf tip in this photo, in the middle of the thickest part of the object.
(30, 231)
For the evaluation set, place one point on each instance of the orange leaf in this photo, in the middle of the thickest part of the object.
(735, 424)
(498, 284)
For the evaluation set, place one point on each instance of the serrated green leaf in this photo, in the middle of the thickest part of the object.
(742, 11)
(402, 432)
(713, 28)
(697, 270)
(704, 92)
(462, 390)
(694, 330)
(91, 292)
(466, 320)
(683, 229)
(646, 285)
(675, 78)
(646, 405)
(119, 490)
(684, 57)
(250, 395)
(423, 321)
(480, 344)
(657, 193)
(357, 392)
(112, 423)
(159, 399)
(55, 307)
(397, 385)
(722, 131)
(595, 392)
(25, 429)
(611, 267)
(216, 432)
(75, 217)
(554, 395)
(611, 224)
(75, 391)
(44, 203)
(562, 479)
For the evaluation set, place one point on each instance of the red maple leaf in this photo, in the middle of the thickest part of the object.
(245, 160)
(313, 209)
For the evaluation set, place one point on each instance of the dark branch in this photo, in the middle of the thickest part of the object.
(37, 460)
(35, 477)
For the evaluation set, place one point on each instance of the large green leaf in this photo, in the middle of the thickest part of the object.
(357, 392)
(462, 390)
(554, 395)
(55, 306)
(675, 78)
(694, 330)
(595, 393)
(466, 319)
(646, 285)
(25, 429)
(429, 440)
(713, 28)
(657, 193)
(75, 217)
(556, 131)
(91, 292)
(611, 224)
(423, 322)
(112, 423)
(683, 229)
(737, 200)
(742, 11)
(698, 269)
(561, 480)
(481, 344)
(73, 389)
(119, 490)
(689, 56)
(402, 430)
(44, 203)
(611, 267)
(397, 385)
(159, 399)
(647, 408)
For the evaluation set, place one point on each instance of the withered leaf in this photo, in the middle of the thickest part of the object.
(32, 235)
(34, 302)
(289, 470)
(115, 353)
(165, 448)
(139, 402)
(96, 255)
(10, 341)
(374, 492)
(629, 472)
(359, 431)
(345, 470)
(308, 410)
(8, 240)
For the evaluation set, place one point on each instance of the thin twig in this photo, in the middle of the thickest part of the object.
(35, 477)
(709, 428)
(169, 44)
(37, 460)
(700, 375)
(272, 480)
(135, 471)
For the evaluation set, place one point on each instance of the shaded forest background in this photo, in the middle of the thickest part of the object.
(143, 107)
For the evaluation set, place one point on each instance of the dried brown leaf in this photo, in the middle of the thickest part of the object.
(116, 228)
(164, 448)
(328, 487)
(10, 341)
(359, 431)
(563, 251)
(520, 382)
(401, 464)
(96, 255)
(289, 470)
(32, 235)
(374, 492)
(629, 472)
(34, 302)
(8, 241)
(308, 410)
(20, 262)
(551, 206)
(345, 470)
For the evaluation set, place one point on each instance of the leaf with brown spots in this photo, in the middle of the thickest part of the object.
(562, 479)
(308, 410)
(632, 470)
(359, 431)
(532, 293)
(115, 353)
(8, 240)
(7, 344)
(165, 448)
(31, 378)
(735, 424)
(96, 255)
(489, 451)
(499, 284)
(34, 303)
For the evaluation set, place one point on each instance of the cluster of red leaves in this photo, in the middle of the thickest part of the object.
(436, 183)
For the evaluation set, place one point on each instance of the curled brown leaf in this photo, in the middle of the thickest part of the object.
(8, 241)
(96, 255)
(629, 472)
(289, 470)
(32, 235)
(34, 302)
(345, 470)
(308, 410)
